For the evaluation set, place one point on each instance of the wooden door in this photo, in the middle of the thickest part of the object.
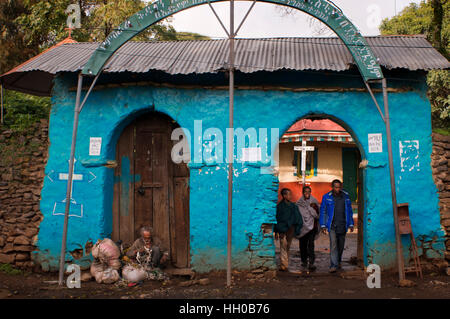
(158, 191)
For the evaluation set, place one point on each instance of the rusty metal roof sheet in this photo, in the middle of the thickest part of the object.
(209, 56)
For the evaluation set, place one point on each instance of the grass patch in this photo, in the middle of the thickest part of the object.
(10, 270)
(443, 131)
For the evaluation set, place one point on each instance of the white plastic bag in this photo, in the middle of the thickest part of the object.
(134, 273)
(103, 273)
(109, 276)
(115, 264)
(106, 250)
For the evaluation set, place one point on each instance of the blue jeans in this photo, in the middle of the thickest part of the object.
(337, 243)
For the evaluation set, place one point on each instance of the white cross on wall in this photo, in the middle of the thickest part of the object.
(76, 177)
(304, 149)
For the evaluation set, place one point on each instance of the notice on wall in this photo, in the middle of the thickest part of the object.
(375, 143)
(251, 154)
(95, 146)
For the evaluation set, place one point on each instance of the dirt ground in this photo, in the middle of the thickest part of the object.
(347, 283)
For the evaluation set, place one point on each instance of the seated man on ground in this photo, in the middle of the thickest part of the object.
(148, 245)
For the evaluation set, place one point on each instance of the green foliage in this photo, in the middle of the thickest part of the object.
(10, 270)
(420, 19)
(432, 19)
(191, 36)
(414, 19)
(28, 27)
(43, 23)
(442, 131)
(13, 49)
(22, 110)
(439, 95)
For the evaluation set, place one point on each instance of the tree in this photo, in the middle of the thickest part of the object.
(431, 18)
(28, 27)
(13, 49)
(44, 22)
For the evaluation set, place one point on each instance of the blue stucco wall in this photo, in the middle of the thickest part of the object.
(108, 111)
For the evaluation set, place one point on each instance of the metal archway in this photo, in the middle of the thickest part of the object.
(323, 10)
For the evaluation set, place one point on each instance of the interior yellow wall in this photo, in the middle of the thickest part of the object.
(329, 162)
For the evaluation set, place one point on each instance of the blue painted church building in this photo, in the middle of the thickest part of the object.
(125, 178)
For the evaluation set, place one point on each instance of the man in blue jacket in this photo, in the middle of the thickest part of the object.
(336, 217)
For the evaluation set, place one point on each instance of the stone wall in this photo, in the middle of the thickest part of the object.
(22, 166)
(440, 163)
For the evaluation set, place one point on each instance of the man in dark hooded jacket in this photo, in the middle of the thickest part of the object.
(289, 225)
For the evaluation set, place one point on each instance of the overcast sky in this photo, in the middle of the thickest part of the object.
(268, 20)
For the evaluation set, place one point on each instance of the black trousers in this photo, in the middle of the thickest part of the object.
(307, 247)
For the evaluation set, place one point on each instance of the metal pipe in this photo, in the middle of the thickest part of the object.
(218, 18)
(375, 101)
(245, 17)
(400, 262)
(90, 89)
(70, 179)
(231, 144)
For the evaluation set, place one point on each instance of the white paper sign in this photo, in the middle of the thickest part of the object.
(251, 154)
(375, 143)
(95, 146)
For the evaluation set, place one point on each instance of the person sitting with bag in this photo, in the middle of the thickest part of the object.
(146, 244)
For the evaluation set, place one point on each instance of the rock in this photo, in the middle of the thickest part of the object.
(22, 257)
(257, 271)
(23, 248)
(7, 177)
(8, 248)
(187, 283)
(2, 241)
(22, 240)
(27, 196)
(445, 222)
(407, 283)
(270, 274)
(204, 281)
(440, 138)
(7, 258)
(30, 232)
(448, 271)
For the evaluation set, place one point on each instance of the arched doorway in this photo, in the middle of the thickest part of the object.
(336, 155)
(150, 189)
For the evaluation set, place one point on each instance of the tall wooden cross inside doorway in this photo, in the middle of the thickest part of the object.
(304, 149)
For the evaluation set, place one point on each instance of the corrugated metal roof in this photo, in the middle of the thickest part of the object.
(252, 55)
